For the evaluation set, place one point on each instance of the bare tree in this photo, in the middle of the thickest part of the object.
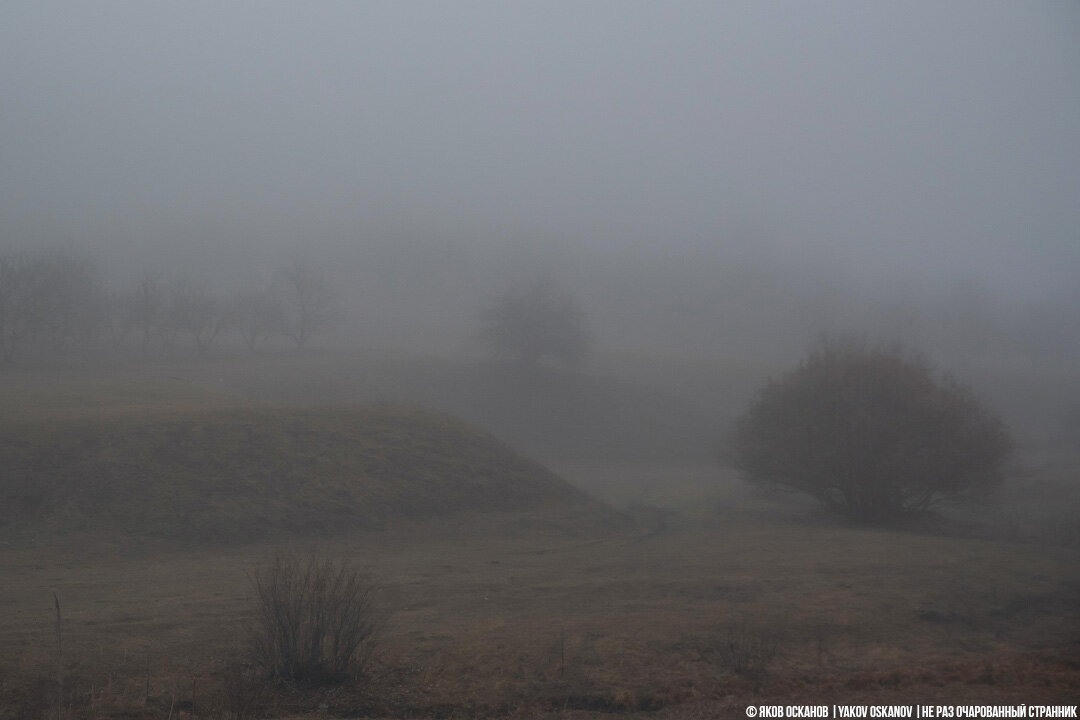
(307, 302)
(533, 322)
(76, 300)
(117, 322)
(195, 311)
(22, 303)
(144, 308)
(50, 293)
(257, 314)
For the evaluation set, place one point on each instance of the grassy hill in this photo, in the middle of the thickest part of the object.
(236, 474)
(548, 412)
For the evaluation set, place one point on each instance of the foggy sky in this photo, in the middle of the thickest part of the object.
(875, 142)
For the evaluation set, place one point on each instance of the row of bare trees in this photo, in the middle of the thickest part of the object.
(54, 301)
(47, 295)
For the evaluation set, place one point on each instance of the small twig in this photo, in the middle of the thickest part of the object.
(562, 652)
(59, 660)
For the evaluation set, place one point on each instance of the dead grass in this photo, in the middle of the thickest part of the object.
(236, 475)
(511, 619)
(745, 646)
(82, 392)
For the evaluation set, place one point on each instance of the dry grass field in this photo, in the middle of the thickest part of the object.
(528, 615)
(694, 598)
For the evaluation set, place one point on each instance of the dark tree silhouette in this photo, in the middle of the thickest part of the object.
(869, 433)
(144, 308)
(307, 302)
(534, 322)
(196, 311)
(22, 301)
(51, 292)
(257, 313)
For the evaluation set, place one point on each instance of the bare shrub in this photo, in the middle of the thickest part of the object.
(315, 619)
(870, 433)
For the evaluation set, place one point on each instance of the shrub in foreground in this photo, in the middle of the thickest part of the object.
(870, 433)
(314, 620)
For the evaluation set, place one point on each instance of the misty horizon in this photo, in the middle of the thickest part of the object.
(896, 154)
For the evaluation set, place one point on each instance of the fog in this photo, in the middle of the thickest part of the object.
(483, 296)
(702, 175)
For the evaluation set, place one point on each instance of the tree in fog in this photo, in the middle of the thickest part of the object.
(22, 306)
(51, 293)
(307, 301)
(534, 322)
(144, 308)
(870, 433)
(195, 311)
(257, 314)
(74, 299)
(116, 312)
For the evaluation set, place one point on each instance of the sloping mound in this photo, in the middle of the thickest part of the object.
(549, 412)
(245, 473)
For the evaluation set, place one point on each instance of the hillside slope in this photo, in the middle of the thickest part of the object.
(551, 413)
(226, 475)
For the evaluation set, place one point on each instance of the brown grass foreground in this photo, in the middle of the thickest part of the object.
(517, 616)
